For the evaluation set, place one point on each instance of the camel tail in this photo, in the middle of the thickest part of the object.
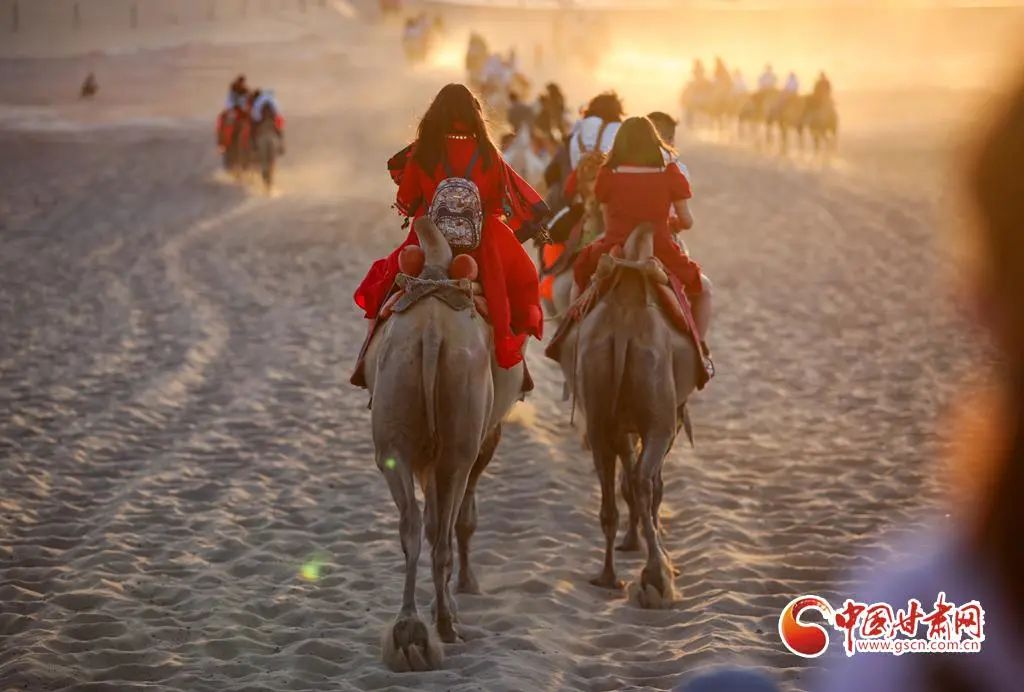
(431, 361)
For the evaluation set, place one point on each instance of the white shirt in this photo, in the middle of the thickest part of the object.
(768, 80)
(792, 85)
(673, 158)
(586, 130)
(265, 97)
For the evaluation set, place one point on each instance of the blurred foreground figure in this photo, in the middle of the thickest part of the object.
(983, 559)
(729, 680)
(90, 86)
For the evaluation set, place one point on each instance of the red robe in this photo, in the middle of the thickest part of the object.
(512, 214)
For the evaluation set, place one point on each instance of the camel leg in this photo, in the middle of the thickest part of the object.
(604, 463)
(465, 524)
(655, 588)
(408, 644)
(448, 489)
(659, 491)
(627, 454)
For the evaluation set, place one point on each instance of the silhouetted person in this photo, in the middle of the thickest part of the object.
(90, 86)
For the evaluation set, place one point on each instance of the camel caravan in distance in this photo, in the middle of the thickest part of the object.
(723, 103)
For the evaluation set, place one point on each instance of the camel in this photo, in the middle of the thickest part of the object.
(527, 160)
(631, 372)
(591, 226)
(822, 121)
(438, 401)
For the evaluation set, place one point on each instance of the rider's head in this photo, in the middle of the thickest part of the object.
(455, 110)
(606, 106)
(637, 144)
(665, 124)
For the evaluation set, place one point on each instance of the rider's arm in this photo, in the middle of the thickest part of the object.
(679, 189)
(684, 219)
(410, 191)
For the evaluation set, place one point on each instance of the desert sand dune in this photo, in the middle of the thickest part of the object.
(189, 499)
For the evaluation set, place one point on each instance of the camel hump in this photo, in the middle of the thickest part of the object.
(640, 245)
(436, 250)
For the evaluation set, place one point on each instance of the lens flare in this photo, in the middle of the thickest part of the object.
(312, 569)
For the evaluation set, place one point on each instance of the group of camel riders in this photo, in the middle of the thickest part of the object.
(621, 173)
(725, 94)
(247, 109)
(768, 81)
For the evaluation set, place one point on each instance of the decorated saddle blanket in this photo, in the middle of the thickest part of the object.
(671, 299)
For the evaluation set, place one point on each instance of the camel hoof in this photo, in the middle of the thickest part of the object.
(654, 592)
(447, 632)
(468, 584)
(608, 581)
(409, 645)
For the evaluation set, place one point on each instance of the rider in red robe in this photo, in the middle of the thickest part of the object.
(453, 128)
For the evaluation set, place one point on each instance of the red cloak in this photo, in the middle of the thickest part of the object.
(513, 212)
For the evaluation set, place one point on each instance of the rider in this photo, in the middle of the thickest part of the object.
(722, 77)
(453, 135)
(822, 90)
(554, 113)
(792, 84)
(263, 106)
(666, 125)
(739, 85)
(768, 80)
(238, 93)
(602, 116)
(520, 115)
(697, 71)
(635, 186)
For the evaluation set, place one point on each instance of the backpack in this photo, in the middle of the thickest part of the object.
(587, 169)
(457, 210)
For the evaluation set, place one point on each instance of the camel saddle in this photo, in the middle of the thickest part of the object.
(458, 294)
(670, 295)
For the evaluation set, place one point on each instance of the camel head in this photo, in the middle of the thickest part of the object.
(640, 245)
(437, 252)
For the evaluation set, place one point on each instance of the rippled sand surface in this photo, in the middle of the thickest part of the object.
(188, 498)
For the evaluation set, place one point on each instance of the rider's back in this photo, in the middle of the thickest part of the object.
(418, 183)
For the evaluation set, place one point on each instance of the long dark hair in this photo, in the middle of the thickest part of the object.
(454, 110)
(637, 143)
(607, 106)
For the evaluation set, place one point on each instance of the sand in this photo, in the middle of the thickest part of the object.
(189, 499)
